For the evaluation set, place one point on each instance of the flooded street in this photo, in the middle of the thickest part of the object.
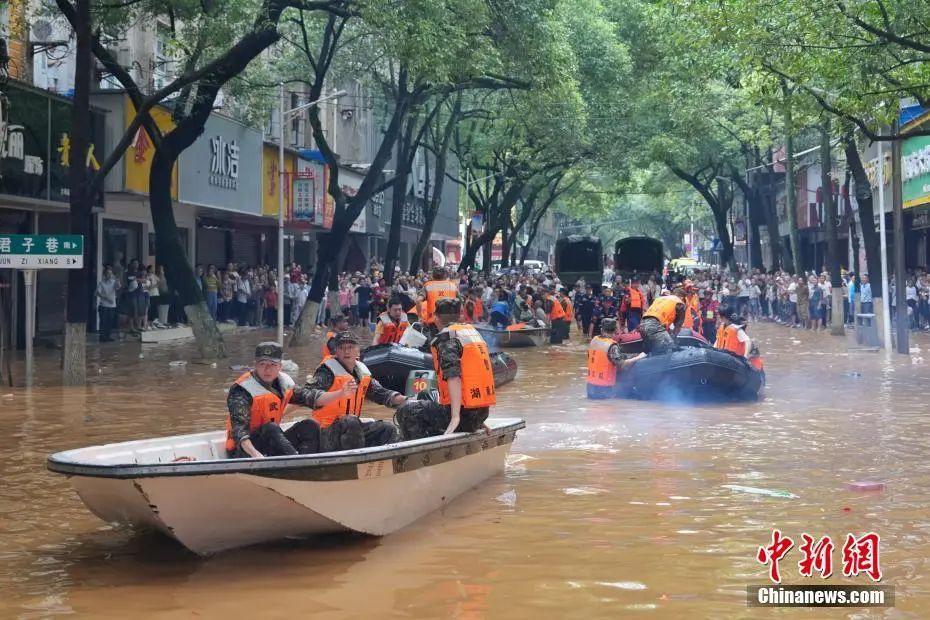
(606, 508)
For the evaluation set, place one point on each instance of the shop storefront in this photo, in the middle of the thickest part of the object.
(221, 177)
(35, 157)
(126, 235)
(915, 173)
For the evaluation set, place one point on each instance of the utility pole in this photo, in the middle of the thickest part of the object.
(901, 319)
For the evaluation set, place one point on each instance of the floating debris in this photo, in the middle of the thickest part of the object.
(866, 485)
(758, 491)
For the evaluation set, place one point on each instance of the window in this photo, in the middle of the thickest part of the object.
(295, 121)
(163, 63)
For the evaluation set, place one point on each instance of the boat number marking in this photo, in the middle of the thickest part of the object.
(375, 469)
(419, 385)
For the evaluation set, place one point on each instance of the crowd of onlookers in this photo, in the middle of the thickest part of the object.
(138, 297)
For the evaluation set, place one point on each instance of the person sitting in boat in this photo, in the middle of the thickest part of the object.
(662, 322)
(464, 376)
(606, 361)
(473, 308)
(339, 418)
(500, 311)
(731, 335)
(256, 404)
(339, 323)
(391, 324)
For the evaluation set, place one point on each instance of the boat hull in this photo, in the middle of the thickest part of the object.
(692, 374)
(217, 505)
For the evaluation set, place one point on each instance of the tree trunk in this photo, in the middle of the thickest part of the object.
(791, 196)
(423, 242)
(755, 217)
(74, 367)
(723, 207)
(865, 200)
(771, 215)
(398, 200)
(833, 258)
(172, 254)
(330, 253)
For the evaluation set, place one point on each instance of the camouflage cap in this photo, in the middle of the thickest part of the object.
(345, 338)
(270, 351)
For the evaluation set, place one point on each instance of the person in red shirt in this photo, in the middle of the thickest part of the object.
(271, 305)
(710, 309)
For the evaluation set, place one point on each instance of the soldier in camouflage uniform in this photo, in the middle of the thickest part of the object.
(426, 417)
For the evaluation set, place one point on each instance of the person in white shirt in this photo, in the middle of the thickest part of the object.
(301, 292)
(107, 291)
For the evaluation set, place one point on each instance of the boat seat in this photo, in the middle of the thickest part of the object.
(218, 448)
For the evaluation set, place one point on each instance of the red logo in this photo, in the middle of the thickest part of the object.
(141, 145)
(860, 555)
(773, 553)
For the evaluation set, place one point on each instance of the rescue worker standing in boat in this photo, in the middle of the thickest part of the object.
(339, 418)
(662, 322)
(256, 404)
(392, 323)
(606, 362)
(440, 287)
(465, 380)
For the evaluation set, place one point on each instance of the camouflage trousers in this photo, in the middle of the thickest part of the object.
(426, 418)
(656, 339)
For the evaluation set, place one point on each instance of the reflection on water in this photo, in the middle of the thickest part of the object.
(607, 507)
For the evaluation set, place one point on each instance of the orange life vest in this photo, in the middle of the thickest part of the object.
(756, 362)
(391, 331)
(347, 405)
(692, 313)
(601, 371)
(324, 349)
(664, 309)
(569, 309)
(477, 375)
(477, 311)
(516, 327)
(556, 311)
(266, 405)
(436, 290)
(731, 341)
(721, 335)
(637, 301)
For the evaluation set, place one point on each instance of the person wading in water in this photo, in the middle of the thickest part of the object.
(606, 362)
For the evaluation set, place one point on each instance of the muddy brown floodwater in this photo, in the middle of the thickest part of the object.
(605, 510)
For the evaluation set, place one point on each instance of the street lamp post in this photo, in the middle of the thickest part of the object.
(282, 175)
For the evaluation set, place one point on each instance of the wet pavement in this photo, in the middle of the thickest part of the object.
(606, 509)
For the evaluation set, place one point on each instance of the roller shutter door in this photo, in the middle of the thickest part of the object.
(211, 247)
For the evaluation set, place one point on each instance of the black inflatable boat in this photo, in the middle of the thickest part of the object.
(514, 338)
(391, 365)
(633, 342)
(691, 373)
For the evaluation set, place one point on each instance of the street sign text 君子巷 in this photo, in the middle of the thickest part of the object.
(41, 251)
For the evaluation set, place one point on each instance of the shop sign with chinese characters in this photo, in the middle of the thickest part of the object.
(41, 251)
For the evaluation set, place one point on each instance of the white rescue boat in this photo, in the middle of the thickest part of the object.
(185, 486)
